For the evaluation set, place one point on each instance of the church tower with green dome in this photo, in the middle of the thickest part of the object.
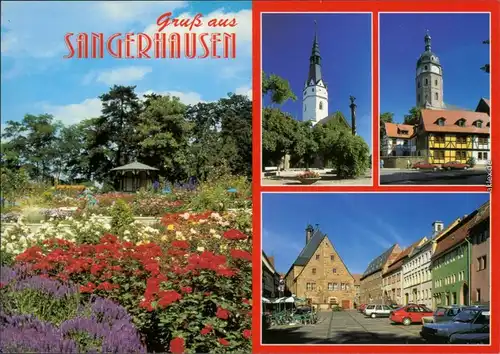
(429, 79)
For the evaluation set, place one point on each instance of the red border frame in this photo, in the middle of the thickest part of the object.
(374, 7)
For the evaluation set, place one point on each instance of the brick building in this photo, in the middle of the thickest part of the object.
(319, 274)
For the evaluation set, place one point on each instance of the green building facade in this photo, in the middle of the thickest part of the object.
(450, 276)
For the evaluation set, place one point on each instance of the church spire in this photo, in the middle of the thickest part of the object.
(427, 40)
(314, 60)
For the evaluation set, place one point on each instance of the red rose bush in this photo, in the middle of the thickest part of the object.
(186, 286)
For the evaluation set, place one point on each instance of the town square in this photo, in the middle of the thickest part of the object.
(435, 109)
(381, 280)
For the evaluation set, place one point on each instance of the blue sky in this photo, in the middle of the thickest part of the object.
(360, 226)
(456, 40)
(36, 79)
(345, 46)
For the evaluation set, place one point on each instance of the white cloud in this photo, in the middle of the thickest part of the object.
(75, 112)
(29, 33)
(244, 90)
(91, 107)
(118, 76)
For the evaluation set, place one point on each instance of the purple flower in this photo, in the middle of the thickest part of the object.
(47, 286)
(24, 334)
(7, 274)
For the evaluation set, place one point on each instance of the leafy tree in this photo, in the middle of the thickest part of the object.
(120, 111)
(278, 88)
(278, 134)
(236, 132)
(413, 116)
(387, 117)
(163, 135)
(352, 157)
(305, 148)
(32, 143)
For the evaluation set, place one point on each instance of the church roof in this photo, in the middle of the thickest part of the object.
(314, 75)
(378, 263)
(451, 117)
(428, 56)
(338, 116)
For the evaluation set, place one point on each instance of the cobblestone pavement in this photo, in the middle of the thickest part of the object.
(345, 327)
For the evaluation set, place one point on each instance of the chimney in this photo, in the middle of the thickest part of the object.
(309, 233)
(437, 227)
(353, 114)
(271, 260)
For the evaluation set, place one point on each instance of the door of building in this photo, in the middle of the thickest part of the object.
(346, 304)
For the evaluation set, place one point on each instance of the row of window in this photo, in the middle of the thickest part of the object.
(462, 122)
(426, 83)
(426, 98)
(320, 106)
(417, 261)
(331, 286)
(480, 237)
(450, 257)
(450, 279)
(332, 257)
(417, 278)
(421, 295)
(334, 271)
(441, 139)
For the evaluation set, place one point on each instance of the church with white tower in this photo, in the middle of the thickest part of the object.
(429, 79)
(315, 94)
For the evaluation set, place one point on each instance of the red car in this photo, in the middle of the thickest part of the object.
(425, 166)
(410, 314)
(361, 308)
(456, 165)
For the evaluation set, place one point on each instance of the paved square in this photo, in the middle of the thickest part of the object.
(345, 327)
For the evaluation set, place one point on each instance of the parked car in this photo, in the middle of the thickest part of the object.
(361, 308)
(442, 314)
(410, 314)
(469, 320)
(375, 311)
(394, 306)
(425, 166)
(471, 338)
(455, 165)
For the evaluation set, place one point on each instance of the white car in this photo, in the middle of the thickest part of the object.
(375, 311)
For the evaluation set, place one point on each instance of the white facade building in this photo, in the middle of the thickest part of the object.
(481, 152)
(417, 275)
(398, 140)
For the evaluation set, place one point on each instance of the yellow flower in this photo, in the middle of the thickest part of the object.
(200, 249)
(170, 227)
(164, 238)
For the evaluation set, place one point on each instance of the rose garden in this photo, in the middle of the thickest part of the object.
(162, 269)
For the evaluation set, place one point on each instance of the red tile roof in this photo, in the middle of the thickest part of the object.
(430, 117)
(461, 231)
(395, 130)
(398, 262)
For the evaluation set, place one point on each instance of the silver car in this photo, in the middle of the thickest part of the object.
(375, 311)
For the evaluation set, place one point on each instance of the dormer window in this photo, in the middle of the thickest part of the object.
(478, 123)
(440, 122)
(461, 122)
